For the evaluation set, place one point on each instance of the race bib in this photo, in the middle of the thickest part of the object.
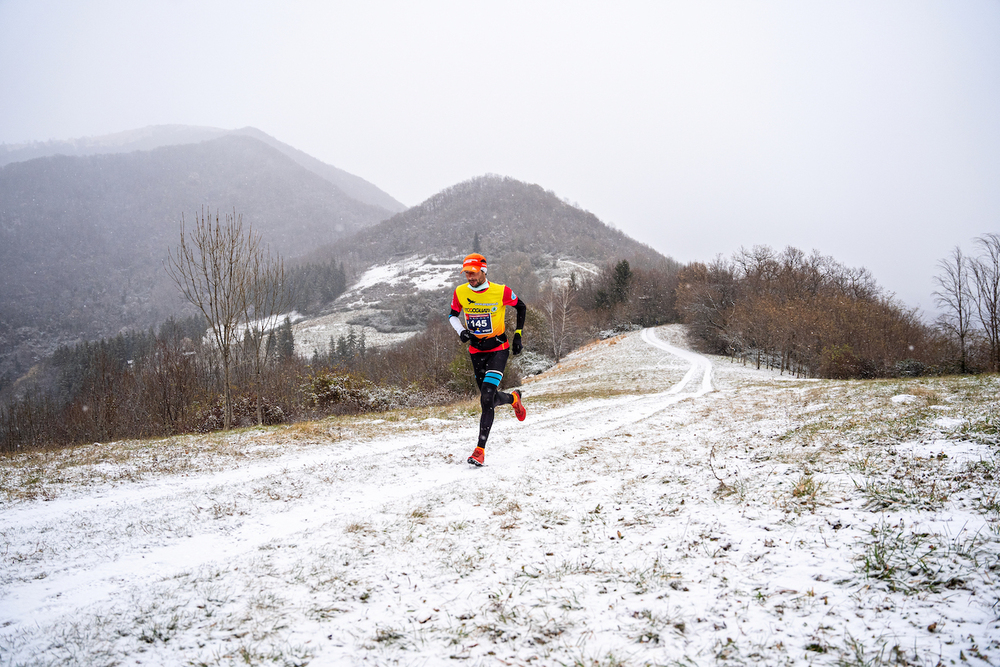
(479, 324)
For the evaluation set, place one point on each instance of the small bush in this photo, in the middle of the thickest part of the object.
(461, 379)
(244, 413)
(910, 368)
(532, 363)
(339, 392)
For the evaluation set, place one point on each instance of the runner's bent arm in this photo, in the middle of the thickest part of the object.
(456, 309)
(456, 322)
(522, 311)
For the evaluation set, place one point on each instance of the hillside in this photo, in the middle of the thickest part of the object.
(157, 136)
(509, 217)
(83, 239)
(353, 186)
(656, 507)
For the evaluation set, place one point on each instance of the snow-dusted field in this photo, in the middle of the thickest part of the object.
(656, 507)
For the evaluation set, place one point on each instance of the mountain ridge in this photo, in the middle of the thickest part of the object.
(158, 136)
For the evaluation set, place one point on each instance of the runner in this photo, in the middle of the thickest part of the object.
(484, 305)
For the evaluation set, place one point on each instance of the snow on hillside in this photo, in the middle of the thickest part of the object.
(397, 278)
(402, 277)
(314, 334)
(656, 507)
(417, 272)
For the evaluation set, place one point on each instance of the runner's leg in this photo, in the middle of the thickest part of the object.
(489, 367)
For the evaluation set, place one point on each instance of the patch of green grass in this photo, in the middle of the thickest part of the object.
(902, 492)
(807, 432)
(864, 460)
(898, 481)
(655, 625)
(984, 429)
(159, 633)
(856, 654)
(509, 507)
(388, 635)
(420, 514)
(913, 563)
(358, 528)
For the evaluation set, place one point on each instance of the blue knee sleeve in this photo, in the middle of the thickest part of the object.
(493, 378)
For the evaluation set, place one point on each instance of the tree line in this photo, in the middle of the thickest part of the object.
(807, 315)
(969, 297)
(150, 384)
(810, 315)
(137, 384)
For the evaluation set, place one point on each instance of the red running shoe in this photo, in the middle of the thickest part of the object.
(478, 456)
(519, 410)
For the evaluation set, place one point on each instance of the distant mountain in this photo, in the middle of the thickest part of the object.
(353, 186)
(83, 238)
(158, 136)
(508, 216)
(144, 139)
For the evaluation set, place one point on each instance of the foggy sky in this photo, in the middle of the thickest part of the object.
(869, 131)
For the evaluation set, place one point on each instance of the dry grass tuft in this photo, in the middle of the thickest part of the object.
(359, 528)
(507, 508)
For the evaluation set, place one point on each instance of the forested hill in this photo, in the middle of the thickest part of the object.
(83, 239)
(508, 216)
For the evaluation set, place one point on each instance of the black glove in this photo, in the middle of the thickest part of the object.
(515, 345)
(465, 336)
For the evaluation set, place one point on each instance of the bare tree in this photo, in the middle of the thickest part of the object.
(706, 298)
(560, 311)
(266, 299)
(213, 270)
(985, 270)
(955, 299)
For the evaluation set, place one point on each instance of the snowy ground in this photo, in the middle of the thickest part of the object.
(656, 507)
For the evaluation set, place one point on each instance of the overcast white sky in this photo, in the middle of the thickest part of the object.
(867, 130)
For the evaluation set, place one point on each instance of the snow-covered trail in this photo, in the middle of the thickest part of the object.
(699, 364)
(151, 529)
(641, 514)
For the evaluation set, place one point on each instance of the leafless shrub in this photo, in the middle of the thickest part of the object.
(807, 315)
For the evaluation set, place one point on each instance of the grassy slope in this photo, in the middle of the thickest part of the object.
(774, 520)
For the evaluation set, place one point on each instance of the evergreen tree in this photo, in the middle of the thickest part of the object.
(272, 346)
(286, 341)
(622, 282)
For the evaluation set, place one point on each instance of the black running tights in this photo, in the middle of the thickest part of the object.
(490, 395)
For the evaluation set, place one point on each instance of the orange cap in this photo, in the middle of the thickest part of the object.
(473, 263)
